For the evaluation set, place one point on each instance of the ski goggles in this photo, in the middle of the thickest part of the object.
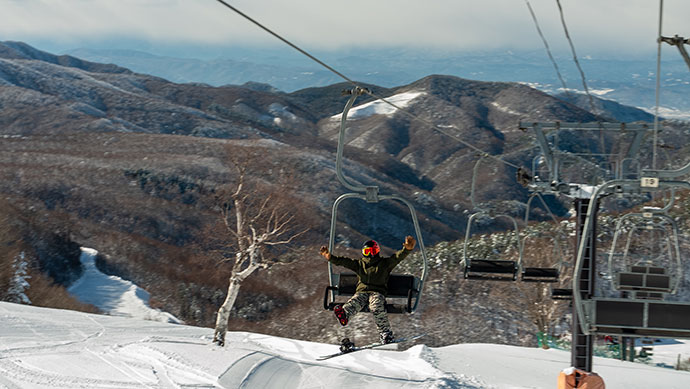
(370, 251)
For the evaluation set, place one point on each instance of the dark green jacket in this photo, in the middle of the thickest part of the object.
(372, 272)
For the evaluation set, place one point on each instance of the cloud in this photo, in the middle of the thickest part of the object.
(624, 25)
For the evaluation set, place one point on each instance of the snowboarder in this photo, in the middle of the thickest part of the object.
(372, 272)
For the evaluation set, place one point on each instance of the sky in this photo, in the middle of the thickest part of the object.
(626, 27)
(46, 348)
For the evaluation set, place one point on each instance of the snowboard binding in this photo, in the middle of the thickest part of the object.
(346, 345)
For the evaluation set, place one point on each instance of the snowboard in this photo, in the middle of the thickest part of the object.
(368, 347)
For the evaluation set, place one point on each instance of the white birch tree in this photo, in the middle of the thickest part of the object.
(251, 226)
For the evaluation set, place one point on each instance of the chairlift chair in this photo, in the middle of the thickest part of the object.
(492, 269)
(643, 314)
(647, 274)
(404, 290)
(542, 274)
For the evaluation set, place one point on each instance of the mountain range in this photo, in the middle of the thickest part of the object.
(628, 80)
(133, 165)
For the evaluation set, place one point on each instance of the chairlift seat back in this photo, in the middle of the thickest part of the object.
(641, 318)
(644, 282)
(648, 269)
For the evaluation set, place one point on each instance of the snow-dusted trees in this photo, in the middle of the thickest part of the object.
(252, 222)
(19, 282)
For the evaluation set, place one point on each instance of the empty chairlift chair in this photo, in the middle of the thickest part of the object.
(644, 279)
(494, 269)
(648, 277)
(542, 274)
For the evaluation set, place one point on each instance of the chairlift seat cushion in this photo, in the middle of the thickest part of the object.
(399, 285)
(347, 284)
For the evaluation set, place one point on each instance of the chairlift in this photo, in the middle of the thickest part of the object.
(404, 290)
(542, 274)
(647, 273)
(493, 269)
(646, 313)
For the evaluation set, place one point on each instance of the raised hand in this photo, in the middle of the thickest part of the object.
(409, 243)
(324, 252)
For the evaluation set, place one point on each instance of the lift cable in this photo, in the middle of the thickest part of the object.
(365, 90)
(577, 63)
(546, 45)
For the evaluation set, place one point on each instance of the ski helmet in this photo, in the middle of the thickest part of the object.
(370, 249)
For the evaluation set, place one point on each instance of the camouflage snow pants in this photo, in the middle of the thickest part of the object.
(376, 303)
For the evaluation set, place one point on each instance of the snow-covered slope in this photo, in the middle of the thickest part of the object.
(47, 348)
(112, 294)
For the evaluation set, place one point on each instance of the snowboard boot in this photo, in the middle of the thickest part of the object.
(387, 337)
(346, 345)
(340, 314)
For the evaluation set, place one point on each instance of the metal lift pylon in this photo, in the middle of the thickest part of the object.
(586, 208)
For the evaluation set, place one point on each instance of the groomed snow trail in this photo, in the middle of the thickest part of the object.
(47, 348)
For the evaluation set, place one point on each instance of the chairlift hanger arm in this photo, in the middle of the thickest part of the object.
(680, 43)
(468, 233)
(341, 142)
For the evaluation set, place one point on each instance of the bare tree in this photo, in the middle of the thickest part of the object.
(251, 225)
